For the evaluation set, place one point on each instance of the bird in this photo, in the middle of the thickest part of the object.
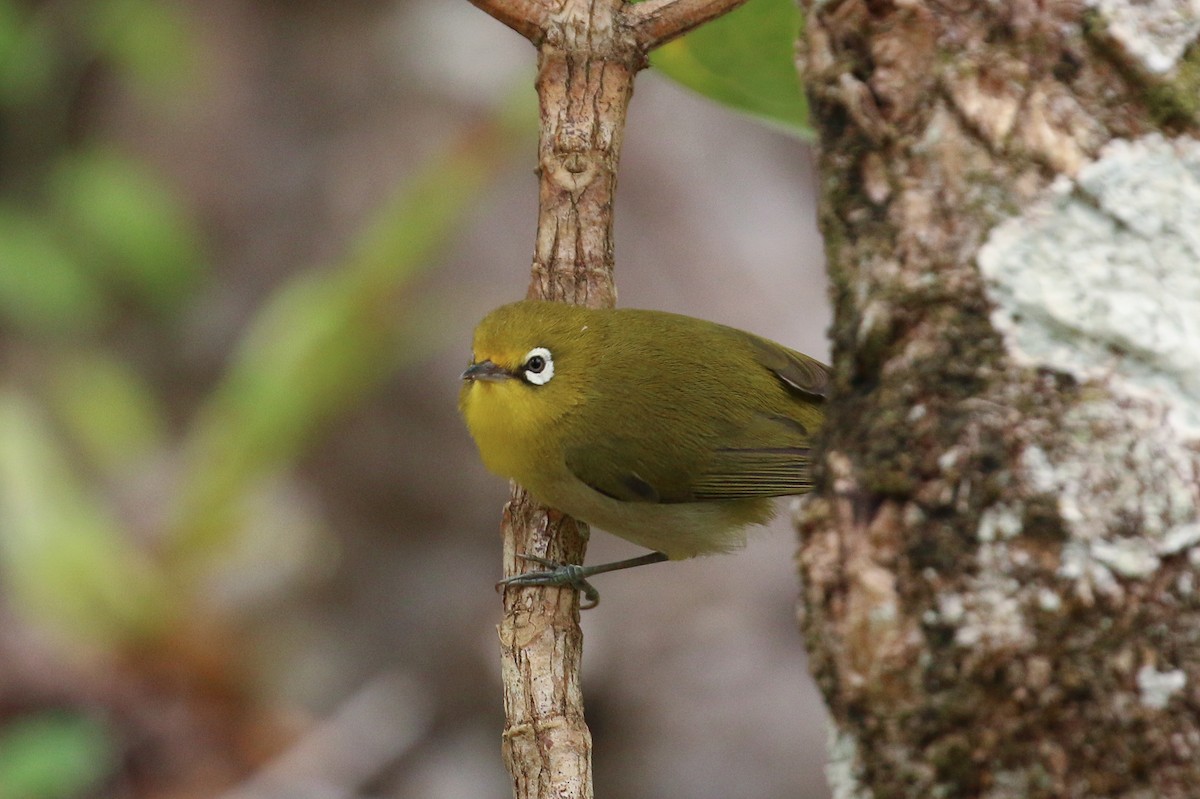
(672, 432)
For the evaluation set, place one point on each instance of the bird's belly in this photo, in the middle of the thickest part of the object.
(681, 530)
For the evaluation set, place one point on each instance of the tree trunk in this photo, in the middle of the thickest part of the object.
(1000, 561)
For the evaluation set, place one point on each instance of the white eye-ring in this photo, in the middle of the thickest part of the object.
(538, 367)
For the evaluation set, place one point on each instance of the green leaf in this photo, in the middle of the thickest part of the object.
(54, 756)
(111, 411)
(43, 288)
(63, 556)
(27, 54)
(127, 224)
(745, 60)
(147, 39)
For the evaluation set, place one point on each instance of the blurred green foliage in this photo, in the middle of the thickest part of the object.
(327, 336)
(146, 41)
(745, 60)
(84, 229)
(126, 227)
(86, 233)
(53, 755)
(89, 236)
(27, 54)
(93, 241)
(94, 244)
(109, 412)
(43, 288)
(99, 229)
(65, 555)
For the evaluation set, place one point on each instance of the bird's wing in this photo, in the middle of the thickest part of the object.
(770, 456)
(764, 456)
(605, 467)
(767, 458)
(804, 375)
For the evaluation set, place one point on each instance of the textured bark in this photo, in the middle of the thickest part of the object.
(999, 564)
(588, 54)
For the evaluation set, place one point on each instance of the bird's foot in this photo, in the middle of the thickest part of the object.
(575, 575)
(556, 574)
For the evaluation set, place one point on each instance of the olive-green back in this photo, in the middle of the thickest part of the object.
(692, 411)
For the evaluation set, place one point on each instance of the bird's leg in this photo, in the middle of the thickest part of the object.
(575, 575)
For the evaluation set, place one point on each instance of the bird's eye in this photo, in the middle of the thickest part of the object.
(539, 366)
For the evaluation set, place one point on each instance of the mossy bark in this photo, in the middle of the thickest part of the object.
(998, 573)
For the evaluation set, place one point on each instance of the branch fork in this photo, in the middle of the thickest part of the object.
(650, 24)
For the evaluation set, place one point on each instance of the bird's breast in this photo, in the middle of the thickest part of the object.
(512, 442)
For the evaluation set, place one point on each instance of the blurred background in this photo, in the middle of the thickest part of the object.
(246, 546)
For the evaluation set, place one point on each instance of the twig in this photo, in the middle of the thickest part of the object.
(656, 22)
(529, 18)
(588, 54)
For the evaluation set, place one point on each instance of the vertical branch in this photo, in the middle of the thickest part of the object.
(583, 104)
(588, 54)
(583, 96)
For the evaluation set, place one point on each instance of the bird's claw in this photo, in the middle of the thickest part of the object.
(556, 574)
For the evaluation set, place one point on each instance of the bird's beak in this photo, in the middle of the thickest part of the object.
(486, 370)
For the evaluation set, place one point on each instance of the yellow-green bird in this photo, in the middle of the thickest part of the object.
(671, 432)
